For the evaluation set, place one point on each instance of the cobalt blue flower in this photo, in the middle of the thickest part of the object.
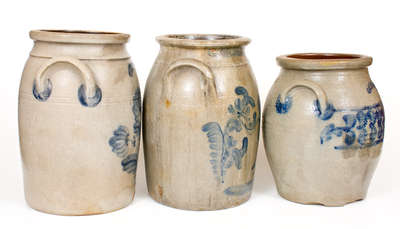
(120, 141)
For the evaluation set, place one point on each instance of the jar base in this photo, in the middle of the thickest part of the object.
(320, 202)
(177, 206)
(79, 213)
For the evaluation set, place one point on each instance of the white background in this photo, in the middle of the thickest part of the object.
(276, 27)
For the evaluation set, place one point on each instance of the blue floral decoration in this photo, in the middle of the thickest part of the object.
(362, 128)
(121, 142)
(225, 152)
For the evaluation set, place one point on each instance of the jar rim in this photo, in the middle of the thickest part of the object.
(78, 36)
(202, 40)
(323, 61)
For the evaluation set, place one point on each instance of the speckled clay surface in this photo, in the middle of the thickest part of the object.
(79, 122)
(323, 128)
(201, 122)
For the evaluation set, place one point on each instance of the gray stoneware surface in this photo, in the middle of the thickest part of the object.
(201, 122)
(79, 122)
(323, 128)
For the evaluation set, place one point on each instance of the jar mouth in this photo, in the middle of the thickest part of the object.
(323, 61)
(79, 36)
(202, 40)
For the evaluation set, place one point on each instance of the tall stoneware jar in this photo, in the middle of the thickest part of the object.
(79, 122)
(323, 127)
(201, 122)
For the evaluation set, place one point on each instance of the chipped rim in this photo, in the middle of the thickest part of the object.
(323, 61)
(79, 36)
(202, 40)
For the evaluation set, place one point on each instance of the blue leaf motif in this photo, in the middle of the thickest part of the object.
(218, 156)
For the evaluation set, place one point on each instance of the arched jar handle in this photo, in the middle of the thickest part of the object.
(323, 109)
(89, 94)
(207, 76)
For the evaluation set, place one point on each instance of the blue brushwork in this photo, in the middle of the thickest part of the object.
(122, 142)
(130, 69)
(362, 128)
(283, 108)
(239, 190)
(137, 112)
(45, 94)
(370, 87)
(241, 109)
(224, 151)
(326, 114)
(89, 101)
(129, 163)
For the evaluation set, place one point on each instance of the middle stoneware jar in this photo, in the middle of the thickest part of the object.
(201, 122)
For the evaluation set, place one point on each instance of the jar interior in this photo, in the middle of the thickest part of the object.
(312, 56)
(208, 37)
(76, 32)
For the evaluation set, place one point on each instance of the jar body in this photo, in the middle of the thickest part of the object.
(79, 157)
(201, 128)
(323, 154)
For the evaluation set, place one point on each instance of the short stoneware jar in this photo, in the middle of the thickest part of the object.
(201, 122)
(79, 122)
(323, 128)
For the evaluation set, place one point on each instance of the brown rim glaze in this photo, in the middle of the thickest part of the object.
(202, 40)
(79, 36)
(323, 61)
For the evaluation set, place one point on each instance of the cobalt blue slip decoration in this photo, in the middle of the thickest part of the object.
(239, 190)
(89, 101)
(283, 108)
(130, 69)
(45, 94)
(362, 128)
(370, 87)
(121, 142)
(224, 148)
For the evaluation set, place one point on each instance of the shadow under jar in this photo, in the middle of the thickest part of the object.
(79, 122)
(201, 122)
(323, 128)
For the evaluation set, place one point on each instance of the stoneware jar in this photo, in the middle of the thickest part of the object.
(79, 122)
(323, 127)
(201, 125)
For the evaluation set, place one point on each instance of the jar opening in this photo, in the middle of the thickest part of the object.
(79, 36)
(202, 40)
(76, 31)
(323, 61)
(204, 37)
(321, 56)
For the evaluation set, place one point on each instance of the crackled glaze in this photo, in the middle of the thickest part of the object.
(201, 123)
(76, 92)
(323, 128)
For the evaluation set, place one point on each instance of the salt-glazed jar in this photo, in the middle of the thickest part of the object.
(201, 122)
(323, 128)
(79, 122)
